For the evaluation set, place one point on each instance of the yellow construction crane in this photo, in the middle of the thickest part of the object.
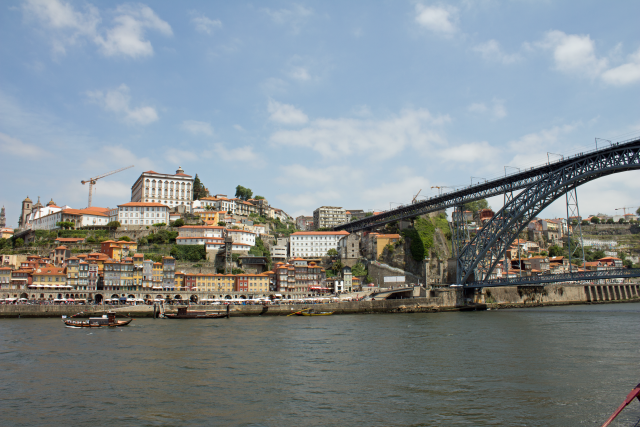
(625, 208)
(416, 196)
(92, 181)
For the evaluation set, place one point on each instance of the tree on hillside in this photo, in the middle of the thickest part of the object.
(638, 211)
(595, 220)
(199, 191)
(477, 205)
(243, 193)
(259, 198)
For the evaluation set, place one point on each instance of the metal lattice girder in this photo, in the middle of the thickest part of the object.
(459, 233)
(478, 191)
(562, 177)
(617, 273)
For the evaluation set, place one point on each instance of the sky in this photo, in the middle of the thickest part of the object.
(356, 104)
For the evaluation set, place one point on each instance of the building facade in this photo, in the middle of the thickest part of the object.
(314, 244)
(166, 189)
(328, 217)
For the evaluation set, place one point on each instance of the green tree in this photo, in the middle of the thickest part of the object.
(610, 221)
(113, 224)
(599, 254)
(638, 211)
(584, 222)
(160, 224)
(332, 252)
(595, 220)
(259, 198)
(476, 205)
(358, 270)
(621, 221)
(199, 191)
(243, 193)
(178, 223)
(65, 224)
(221, 223)
(124, 239)
(368, 279)
(91, 239)
(368, 214)
(627, 263)
(555, 250)
(18, 242)
(143, 241)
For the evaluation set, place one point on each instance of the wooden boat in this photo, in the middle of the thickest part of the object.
(312, 312)
(108, 320)
(184, 313)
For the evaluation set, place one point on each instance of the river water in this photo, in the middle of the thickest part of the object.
(556, 366)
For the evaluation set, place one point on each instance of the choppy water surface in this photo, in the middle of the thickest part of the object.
(563, 366)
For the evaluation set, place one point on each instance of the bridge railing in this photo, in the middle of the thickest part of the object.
(617, 273)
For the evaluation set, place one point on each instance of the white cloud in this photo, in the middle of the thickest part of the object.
(440, 20)
(197, 128)
(180, 155)
(203, 24)
(238, 128)
(574, 54)
(497, 109)
(285, 114)
(304, 176)
(471, 152)
(119, 156)
(125, 37)
(400, 191)
(118, 101)
(626, 73)
(383, 139)
(491, 51)
(240, 154)
(532, 148)
(294, 16)
(299, 73)
(15, 147)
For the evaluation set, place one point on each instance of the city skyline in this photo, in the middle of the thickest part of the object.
(358, 105)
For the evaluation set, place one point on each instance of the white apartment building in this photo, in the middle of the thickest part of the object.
(235, 247)
(140, 213)
(79, 217)
(209, 231)
(242, 236)
(314, 244)
(220, 202)
(198, 240)
(166, 189)
(328, 216)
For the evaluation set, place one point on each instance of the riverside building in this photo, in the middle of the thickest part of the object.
(314, 244)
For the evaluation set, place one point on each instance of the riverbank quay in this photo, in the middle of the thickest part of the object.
(441, 299)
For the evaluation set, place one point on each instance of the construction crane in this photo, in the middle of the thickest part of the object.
(92, 181)
(625, 208)
(416, 196)
(440, 188)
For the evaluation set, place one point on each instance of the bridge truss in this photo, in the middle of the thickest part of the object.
(477, 257)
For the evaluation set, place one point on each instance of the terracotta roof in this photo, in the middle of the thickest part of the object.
(61, 248)
(389, 236)
(320, 233)
(149, 204)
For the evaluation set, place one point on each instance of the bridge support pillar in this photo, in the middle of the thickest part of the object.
(573, 216)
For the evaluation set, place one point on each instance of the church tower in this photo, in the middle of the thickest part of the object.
(3, 219)
(27, 207)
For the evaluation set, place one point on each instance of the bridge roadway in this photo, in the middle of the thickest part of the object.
(502, 185)
(619, 273)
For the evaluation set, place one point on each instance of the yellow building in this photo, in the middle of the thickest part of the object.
(118, 250)
(212, 216)
(49, 278)
(138, 267)
(179, 281)
(222, 283)
(252, 283)
(383, 240)
(157, 274)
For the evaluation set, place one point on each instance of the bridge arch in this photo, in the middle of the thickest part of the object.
(488, 246)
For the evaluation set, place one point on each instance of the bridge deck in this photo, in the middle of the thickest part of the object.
(620, 273)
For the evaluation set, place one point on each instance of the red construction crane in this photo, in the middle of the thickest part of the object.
(92, 181)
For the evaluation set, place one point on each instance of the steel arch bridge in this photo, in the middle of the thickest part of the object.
(478, 257)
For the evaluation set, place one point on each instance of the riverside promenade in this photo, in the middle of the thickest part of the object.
(441, 299)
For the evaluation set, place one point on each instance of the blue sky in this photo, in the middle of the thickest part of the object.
(355, 104)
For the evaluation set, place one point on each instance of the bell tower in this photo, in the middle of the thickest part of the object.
(3, 219)
(27, 207)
